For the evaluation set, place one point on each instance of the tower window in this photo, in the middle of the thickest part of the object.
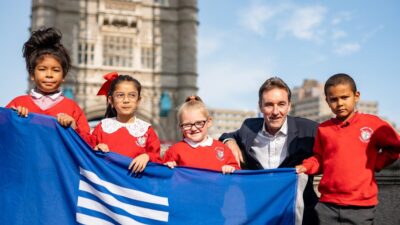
(85, 53)
(117, 51)
(147, 57)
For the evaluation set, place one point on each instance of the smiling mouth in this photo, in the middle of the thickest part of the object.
(194, 132)
(274, 119)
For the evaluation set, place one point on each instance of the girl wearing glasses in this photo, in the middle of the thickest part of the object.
(197, 149)
(121, 131)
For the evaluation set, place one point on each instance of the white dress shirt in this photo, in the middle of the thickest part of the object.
(271, 150)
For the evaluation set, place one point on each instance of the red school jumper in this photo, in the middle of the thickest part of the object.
(212, 157)
(346, 154)
(66, 106)
(129, 139)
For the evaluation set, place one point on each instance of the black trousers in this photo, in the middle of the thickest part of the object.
(331, 214)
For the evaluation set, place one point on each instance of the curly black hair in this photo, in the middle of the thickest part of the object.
(45, 41)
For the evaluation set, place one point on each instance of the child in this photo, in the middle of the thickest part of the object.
(345, 151)
(121, 131)
(48, 62)
(197, 149)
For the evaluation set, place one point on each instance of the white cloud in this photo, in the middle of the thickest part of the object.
(372, 33)
(256, 17)
(347, 48)
(342, 16)
(209, 45)
(305, 23)
(338, 34)
(232, 83)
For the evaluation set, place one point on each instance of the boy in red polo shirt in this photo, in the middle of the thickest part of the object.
(346, 152)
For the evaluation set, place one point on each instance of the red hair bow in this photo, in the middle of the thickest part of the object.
(106, 86)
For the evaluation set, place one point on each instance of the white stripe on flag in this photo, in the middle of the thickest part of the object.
(301, 185)
(90, 204)
(125, 192)
(86, 219)
(132, 209)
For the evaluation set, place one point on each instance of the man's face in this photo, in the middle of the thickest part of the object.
(275, 106)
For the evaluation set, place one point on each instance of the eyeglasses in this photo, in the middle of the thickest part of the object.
(188, 126)
(119, 96)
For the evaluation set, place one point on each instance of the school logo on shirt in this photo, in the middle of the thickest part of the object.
(141, 141)
(366, 134)
(220, 153)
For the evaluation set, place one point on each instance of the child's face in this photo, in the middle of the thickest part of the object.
(125, 99)
(194, 125)
(342, 101)
(48, 75)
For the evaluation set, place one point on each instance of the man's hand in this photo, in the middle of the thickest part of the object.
(300, 169)
(235, 150)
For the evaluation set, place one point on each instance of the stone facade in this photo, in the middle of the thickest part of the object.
(387, 211)
(154, 41)
(227, 120)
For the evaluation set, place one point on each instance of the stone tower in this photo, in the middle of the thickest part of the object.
(154, 41)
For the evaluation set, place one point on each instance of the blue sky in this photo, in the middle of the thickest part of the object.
(242, 43)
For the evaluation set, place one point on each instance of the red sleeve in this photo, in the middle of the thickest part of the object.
(171, 155)
(96, 136)
(11, 104)
(15, 102)
(153, 146)
(384, 159)
(387, 138)
(313, 164)
(230, 159)
(82, 125)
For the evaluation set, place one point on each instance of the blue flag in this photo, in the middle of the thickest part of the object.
(49, 175)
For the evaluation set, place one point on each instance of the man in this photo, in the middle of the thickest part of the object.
(277, 140)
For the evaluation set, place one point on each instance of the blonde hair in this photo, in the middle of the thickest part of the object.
(193, 102)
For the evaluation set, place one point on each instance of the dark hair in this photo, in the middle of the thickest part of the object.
(193, 102)
(111, 112)
(45, 41)
(271, 83)
(340, 78)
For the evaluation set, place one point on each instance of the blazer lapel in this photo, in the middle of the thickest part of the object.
(292, 134)
(250, 137)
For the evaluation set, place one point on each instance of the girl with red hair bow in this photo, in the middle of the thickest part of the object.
(121, 131)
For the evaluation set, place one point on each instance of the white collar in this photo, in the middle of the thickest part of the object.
(283, 130)
(38, 95)
(137, 129)
(207, 142)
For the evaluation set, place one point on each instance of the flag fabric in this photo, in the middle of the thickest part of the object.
(49, 175)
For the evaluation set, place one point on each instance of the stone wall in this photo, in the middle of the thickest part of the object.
(388, 210)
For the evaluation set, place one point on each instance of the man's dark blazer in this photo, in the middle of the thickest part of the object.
(300, 142)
